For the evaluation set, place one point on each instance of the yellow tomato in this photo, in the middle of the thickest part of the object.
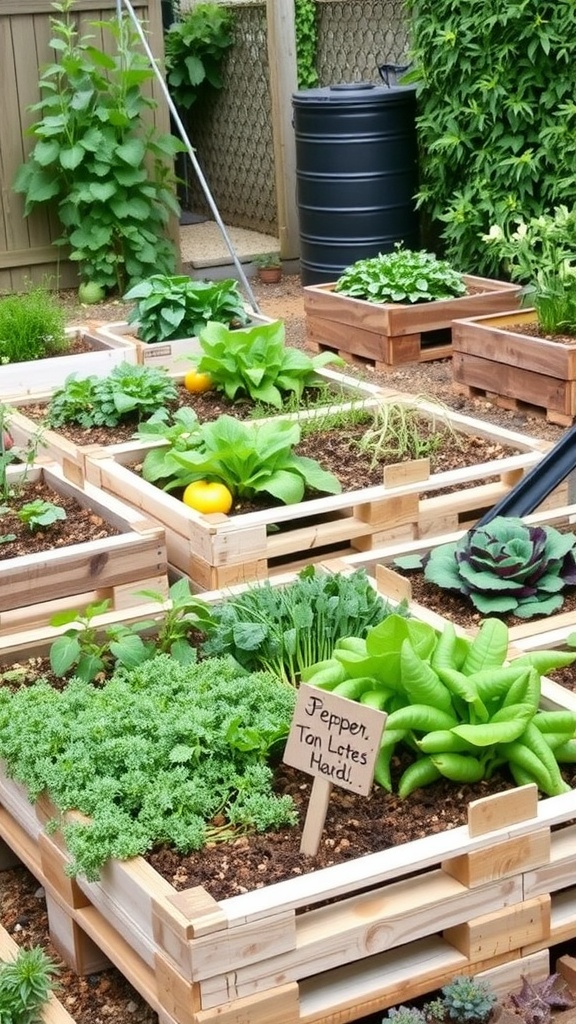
(197, 382)
(208, 496)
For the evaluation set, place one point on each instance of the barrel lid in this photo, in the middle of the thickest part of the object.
(350, 93)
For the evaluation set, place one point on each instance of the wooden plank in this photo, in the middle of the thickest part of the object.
(76, 948)
(500, 809)
(509, 928)
(507, 978)
(364, 925)
(538, 389)
(283, 83)
(502, 860)
(559, 872)
(493, 338)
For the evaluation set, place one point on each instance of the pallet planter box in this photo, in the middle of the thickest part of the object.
(71, 456)
(217, 550)
(390, 334)
(488, 898)
(34, 586)
(168, 355)
(512, 369)
(43, 374)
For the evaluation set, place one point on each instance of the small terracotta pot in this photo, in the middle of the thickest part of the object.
(270, 275)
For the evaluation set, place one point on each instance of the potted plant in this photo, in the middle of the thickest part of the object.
(269, 267)
(397, 307)
(527, 357)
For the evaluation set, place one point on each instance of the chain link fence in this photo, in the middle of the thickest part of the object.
(232, 131)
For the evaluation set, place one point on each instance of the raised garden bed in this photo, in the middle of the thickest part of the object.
(217, 550)
(513, 369)
(490, 897)
(115, 567)
(97, 355)
(72, 454)
(390, 334)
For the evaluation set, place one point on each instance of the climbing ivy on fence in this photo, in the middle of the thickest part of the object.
(306, 43)
(496, 91)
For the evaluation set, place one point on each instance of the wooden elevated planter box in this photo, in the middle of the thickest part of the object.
(390, 334)
(32, 587)
(489, 898)
(217, 550)
(43, 374)
(72, 456)
(492, 896)
(512, 369)
(173, 356)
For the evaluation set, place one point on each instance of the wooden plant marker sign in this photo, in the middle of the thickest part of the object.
(337, 741)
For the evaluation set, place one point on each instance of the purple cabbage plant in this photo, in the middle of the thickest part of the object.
(507, 566)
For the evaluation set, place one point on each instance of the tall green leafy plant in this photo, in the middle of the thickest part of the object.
(107, 174)
(495, 89)
(25, 986)
(195, 46)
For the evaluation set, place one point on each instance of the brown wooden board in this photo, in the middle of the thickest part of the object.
(390, 334)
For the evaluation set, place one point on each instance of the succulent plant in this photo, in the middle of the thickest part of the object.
(405, 1015)
(536, 1000)
(469, 1000)
(507, 566)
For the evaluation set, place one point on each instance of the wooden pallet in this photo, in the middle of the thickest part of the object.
(391, 334)
(560, 395)
(398, 924)
(215, 551)
(72, 456)
(493, 357)
(32, 587)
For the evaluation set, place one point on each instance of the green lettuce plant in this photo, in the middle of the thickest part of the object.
(250, 458)
(454, 703)
(507, 566)
(403, 275)
(178, 307)
(286, 629)
(127, 391)
(256, 362)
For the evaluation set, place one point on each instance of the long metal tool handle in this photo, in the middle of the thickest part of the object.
(533, 488)
(184, 136)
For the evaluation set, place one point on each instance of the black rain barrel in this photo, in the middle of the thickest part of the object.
(356, 174)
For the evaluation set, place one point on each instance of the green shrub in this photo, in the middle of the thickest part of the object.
(25, 986)
(495, 92)
(32, 326)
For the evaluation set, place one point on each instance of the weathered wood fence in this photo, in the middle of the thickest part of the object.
(26, 250)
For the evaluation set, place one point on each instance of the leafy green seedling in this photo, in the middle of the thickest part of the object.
(40, 514)
(25, 986)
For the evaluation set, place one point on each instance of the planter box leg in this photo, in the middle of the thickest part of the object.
(73, 945)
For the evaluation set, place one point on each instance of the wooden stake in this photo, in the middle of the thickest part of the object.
(315, 816)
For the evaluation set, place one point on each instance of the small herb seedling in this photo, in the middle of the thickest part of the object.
(39, 514)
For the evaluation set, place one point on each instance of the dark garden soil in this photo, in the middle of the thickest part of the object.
(80, 525)
(355, 826)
